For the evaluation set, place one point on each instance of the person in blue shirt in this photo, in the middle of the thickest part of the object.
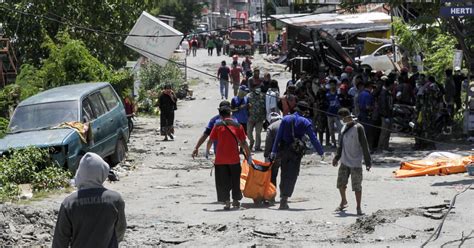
(365, 101)
(333, 101)
(240, 105)
(208, 129)
(293, 127)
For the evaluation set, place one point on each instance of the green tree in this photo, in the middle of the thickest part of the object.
(185, 11)
(70, 62)
(48, 18)
(426, 14)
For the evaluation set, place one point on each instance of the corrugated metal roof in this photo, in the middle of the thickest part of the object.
(336, 21)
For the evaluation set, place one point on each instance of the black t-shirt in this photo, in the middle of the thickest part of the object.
(224, 72)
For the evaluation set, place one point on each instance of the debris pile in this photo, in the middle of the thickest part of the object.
(25, 226)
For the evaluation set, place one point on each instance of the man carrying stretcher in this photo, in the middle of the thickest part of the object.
(228, 135)
(291, 148)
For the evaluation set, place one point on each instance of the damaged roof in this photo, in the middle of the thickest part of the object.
(366, 22)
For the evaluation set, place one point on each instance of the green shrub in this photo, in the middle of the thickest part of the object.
(9, 191)
(3, 127)
(122, 81)
(52, 177)
(30, 166)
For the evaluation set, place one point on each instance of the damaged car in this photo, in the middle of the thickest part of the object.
(70, 121)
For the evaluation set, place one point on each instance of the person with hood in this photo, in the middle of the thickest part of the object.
(167, 104)
(291, 149)
(272, 130)
(93, 216)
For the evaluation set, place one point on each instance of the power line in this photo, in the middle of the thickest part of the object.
(105, 32)
(203, 72)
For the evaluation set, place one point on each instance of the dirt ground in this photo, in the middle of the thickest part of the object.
(171, 199)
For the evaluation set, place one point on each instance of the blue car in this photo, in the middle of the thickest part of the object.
(37, 122)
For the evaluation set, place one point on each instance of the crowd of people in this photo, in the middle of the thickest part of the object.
(327, 106)
(209, 42)
(351, 111)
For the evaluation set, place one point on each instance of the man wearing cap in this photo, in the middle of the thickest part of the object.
(229, 135)
(208, 129)
(240, 106)
(290, 147)
(353, 147)
(347, 73)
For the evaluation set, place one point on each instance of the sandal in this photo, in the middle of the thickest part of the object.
(359, 212)
(341, 208)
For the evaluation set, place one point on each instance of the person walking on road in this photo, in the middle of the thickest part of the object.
(291, 149)
(223, 74)
(257, 115)
(240, 106)
(167, 104)
(207, 131)
(334, 124)
(93, 216)
(386, 112)
(210, 46)
(229, 135)
(352, 149)
(272, 131)
(255, 81)
(247, 65)
(194, 45)
(235, 73)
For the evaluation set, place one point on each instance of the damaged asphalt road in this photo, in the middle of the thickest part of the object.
(171, 200)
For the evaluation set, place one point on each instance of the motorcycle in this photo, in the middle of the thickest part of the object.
(275, 49)
(404, 117)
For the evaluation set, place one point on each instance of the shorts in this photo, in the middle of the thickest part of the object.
(343, 177)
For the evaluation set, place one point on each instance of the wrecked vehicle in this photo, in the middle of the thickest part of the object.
(382, 59)
(70, 121)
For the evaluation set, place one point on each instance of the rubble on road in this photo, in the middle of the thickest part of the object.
(26, 226)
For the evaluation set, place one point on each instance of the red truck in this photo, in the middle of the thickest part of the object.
(241, 42)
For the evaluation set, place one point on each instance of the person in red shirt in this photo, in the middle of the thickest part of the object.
(235, 72)
(229, 135)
